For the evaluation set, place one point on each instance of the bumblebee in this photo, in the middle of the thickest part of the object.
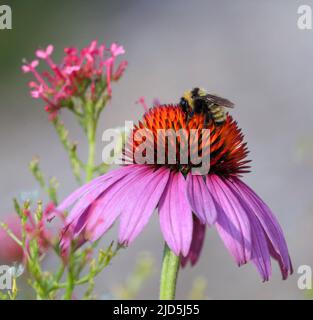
(199, 101)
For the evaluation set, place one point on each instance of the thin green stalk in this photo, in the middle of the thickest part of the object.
(59, 273)
(6, 228)
(70, 148)
(91, 153)
(169, 273)
(70, 284)
(91, 135)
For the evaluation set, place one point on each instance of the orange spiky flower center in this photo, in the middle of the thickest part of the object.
(166, 128)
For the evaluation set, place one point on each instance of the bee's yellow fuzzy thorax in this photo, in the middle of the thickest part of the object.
(188, 96)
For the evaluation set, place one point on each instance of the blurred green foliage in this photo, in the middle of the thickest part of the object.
(143, 270)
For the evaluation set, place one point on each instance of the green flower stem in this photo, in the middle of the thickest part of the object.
(70, 283)
(90, 167)
(70, 148)
(170, 268)
(91, 128)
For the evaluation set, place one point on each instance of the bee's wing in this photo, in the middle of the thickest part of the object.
(218, 100)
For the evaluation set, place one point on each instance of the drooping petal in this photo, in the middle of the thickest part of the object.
(260, 251)
(232, 222)
(285, 269)
(270, 225)
(85, 208)
(68, 201)
(200, 199)
(109, 205)
(198, 235)
(175, 215)
(99, 183)
(142, 199)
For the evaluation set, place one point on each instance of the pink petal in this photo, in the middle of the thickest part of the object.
(29, 67)
(285, 269)
(92, 195)
(34, 63)
(92, 185)
(35, 94)
(142, 199)
(25, 68)
(268, 222)
(116, 49)
(260, 252)
(49, 49)
(93, 45)
(197, 242)
(71, 69)
(175, 215)
(200, 199)
(260, 255)
(109, 206)
(232, 222)
(41, 54)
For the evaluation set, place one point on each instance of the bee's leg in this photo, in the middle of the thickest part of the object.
(207, 118)
(190, 114)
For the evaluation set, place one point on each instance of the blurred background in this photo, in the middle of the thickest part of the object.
(246, 50)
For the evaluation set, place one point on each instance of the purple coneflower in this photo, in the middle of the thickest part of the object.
(185, 202)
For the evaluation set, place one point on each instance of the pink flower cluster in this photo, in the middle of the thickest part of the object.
(91, 69)
(38, 229)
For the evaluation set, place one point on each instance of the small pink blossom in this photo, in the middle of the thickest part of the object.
(142, 102)
(44, 54)
(30, 67)
(36, 93)
(116, 50)
(70, 69)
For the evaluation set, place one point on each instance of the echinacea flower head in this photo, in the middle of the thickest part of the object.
(81, 75)
(186, 200)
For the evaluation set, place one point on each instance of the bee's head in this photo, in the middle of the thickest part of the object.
(190, 95)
